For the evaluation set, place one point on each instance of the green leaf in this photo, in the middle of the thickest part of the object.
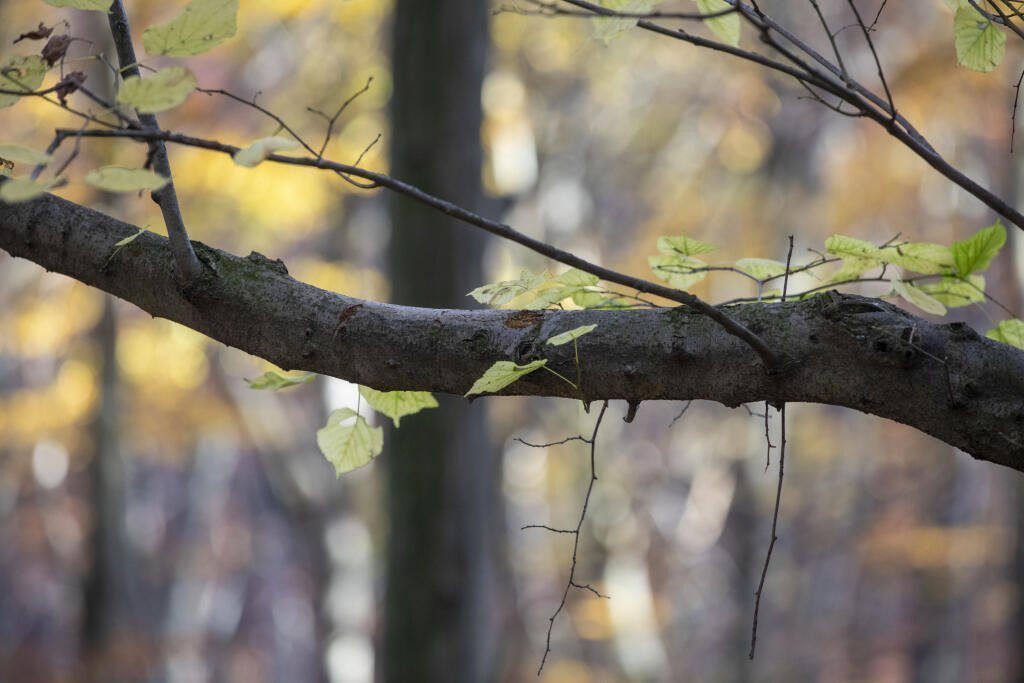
(21, 74)
(551, 295)
(682, 245)
(980, 44)
(726, 27)
(96, 5)
(911, 293)
(954, 292)
(259, 150)
(919, 257)
(608, 28)
(976, 252)
(501, 374)
(349, 446)
(203, 25)
(118, 179)
(164, 90)
(761, 268)
(24, 155)
(574, 333)
(398, 404)
(1009, 332)
(17, 190)
(268, 380)
(841, 245)
(677, 270)
(498, 293)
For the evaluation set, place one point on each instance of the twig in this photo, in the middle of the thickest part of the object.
(571, 582)
(188, 266)
(775, 521)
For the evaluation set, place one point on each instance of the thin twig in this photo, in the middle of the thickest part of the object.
(775, 521)
(571, 583)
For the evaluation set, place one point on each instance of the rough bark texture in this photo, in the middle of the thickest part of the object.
(945, 380)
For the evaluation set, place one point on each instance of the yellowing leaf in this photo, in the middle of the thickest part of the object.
(17, 190)
(574, 333)
(1009, 332)
(261, 149)
(676, 270)
(118, 179)
(501, 374)
(203, 25)
(607, 28)
(841, 245)
(574, 277)
(349, 446)
(164, 90)
(499, 293)
(853, 268)
(980, 44)
(909, 292)
(761, 268)
(269, 380)
(977, 251)
(683, 246)
(726, 27)
(21, 74)
(96, 5)
(920, 257)
(24, 155)
(954, 292)
(398, 404)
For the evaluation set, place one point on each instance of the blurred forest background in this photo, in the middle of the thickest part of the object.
(159, 521)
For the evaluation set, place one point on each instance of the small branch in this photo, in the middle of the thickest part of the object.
(188, 266)
(571, 583)
(331, 120)
(772, 360)
(874, 54)
(775, 521)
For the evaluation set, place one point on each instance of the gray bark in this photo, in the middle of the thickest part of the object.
(945, 380)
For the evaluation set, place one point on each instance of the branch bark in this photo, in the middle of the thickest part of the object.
(945, 380)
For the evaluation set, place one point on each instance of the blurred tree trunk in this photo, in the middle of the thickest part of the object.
(103, 585)
(442, 613)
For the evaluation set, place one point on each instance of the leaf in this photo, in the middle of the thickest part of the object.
(761, 268)
(607, 28)
(570, 335)
(919, 257)
(726, 27)
(118, 179)
(911, 293)
(164, 90)
(349, 446)
(268, 380)
(21, 73)
(203, 25)
(682, 245)
(980, 44)
(398, 404)
(24, 155)
(501, 374)
(853, 268)
(954, 292)
(575, 277)
(498, 293)
(17, 190)
(551, 295)
(1009, 332)
(677, 270)
(977, 251)
(841, 245)
(95, 5)
(260, 149)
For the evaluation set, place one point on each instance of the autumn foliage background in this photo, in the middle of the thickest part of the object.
(899, 559)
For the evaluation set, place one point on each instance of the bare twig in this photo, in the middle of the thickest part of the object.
(775, 521)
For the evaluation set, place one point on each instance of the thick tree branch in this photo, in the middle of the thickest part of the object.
(861, 353)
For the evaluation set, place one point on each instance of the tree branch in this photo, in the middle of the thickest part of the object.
(861, 353)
